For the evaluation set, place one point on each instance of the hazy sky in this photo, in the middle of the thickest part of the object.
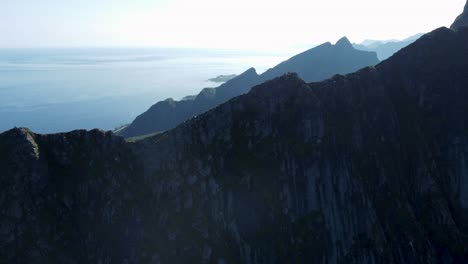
(216, 23)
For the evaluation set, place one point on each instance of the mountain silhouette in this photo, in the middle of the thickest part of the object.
(315, 64)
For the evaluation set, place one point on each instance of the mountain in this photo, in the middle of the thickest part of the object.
(169, 113)
(462, 20)
(369, 167)
(323, 62)
(315, 64)
(385, 49)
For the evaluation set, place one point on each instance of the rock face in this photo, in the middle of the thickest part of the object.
(462, 20)
(370, 167)
(315, 64)
(67, 198)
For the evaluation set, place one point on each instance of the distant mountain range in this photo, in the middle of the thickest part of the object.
(385, 49)
(315, 64)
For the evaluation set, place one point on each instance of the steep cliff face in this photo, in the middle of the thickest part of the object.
(315, 64)
(67, 198)
(364, 168)
(462, 20)
(369, 167)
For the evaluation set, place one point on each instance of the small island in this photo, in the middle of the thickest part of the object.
(222, 78)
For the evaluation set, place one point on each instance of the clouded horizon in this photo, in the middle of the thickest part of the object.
(261, 24)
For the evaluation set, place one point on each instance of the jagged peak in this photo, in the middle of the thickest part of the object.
(461, 20)
(250, 71)
(344, 42)
(24, 137)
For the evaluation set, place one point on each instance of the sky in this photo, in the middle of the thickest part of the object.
(237, 24)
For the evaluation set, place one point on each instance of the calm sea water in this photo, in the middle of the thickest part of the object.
(55, 90)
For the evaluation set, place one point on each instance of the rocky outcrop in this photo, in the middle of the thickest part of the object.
(313, 65)
(370, 167)
(462, 20)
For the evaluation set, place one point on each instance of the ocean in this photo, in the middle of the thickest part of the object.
(58, 90)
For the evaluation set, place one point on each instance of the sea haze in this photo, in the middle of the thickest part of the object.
(56, 90)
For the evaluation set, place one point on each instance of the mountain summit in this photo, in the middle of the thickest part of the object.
(344, 42)
(462, 20)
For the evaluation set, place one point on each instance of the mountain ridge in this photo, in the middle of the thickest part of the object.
(314, 64)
